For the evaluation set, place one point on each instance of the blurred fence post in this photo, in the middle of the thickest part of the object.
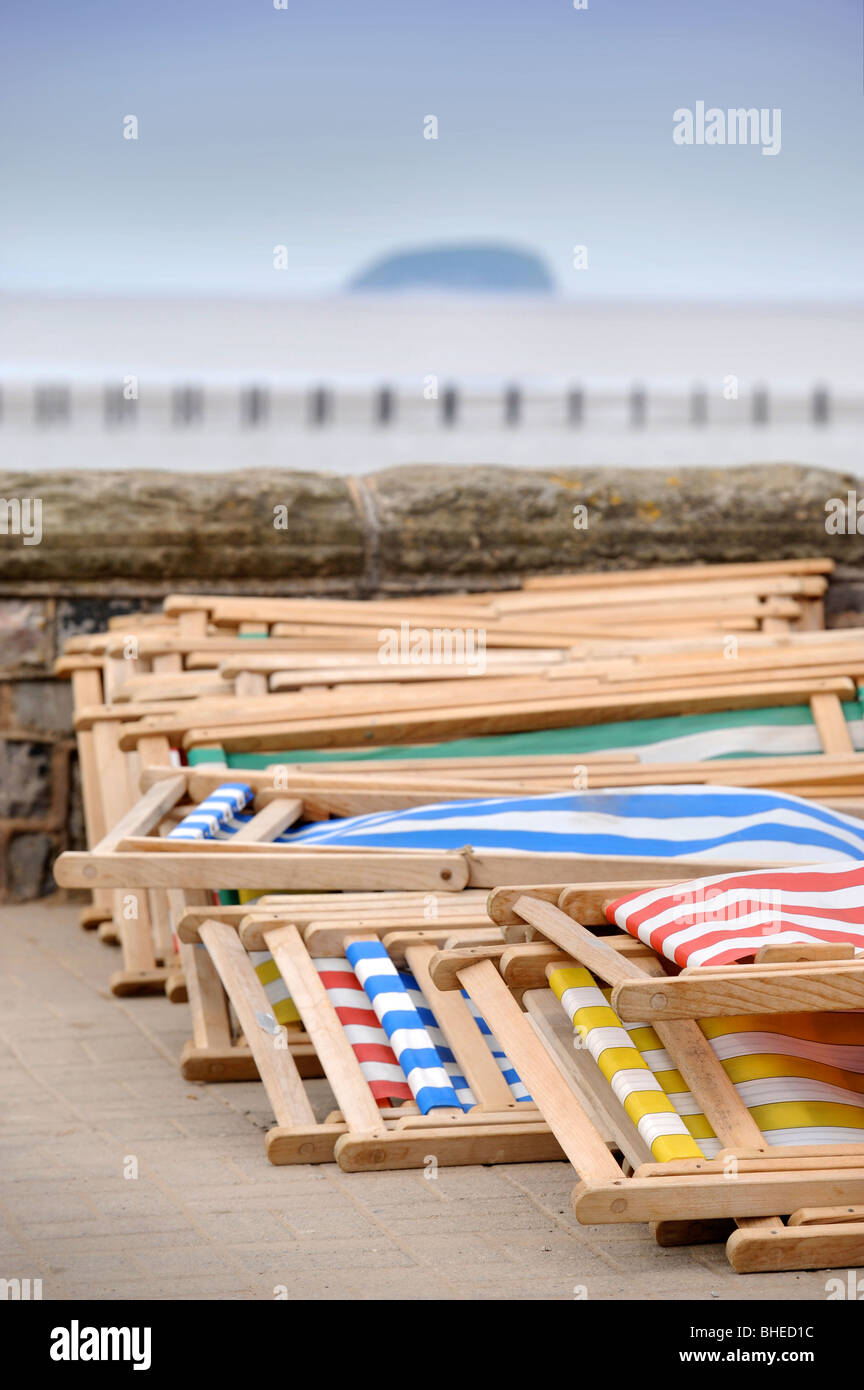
(187, 405)
(449, 405)
(821, 405)
(512, 405)
(320, 405)
(385, 405)
(699, 406)
(760, 411)
(254, 406)
(116, 408)
(575, 406)
(51, 405)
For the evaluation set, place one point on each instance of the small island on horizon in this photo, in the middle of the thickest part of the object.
(478, 268)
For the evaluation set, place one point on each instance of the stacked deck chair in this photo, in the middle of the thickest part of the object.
(217, 1050)
(111, 772)
(463, 846)
(452, 845)
(726, 1063)
(409, 1081)
(824, 721)
(100, 762)
(435, 711)
(447, 847)
(416, 1076)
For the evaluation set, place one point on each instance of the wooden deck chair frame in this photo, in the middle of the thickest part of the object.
(110, 783)
(342, 789)
(796, 655)
(145, 744)
(216, 1052)
(190, 617)
(824, 701)
(819, 1188)
(145, 958)
(360, 1136)
(131, 858)
(94, 679)
(275, 721)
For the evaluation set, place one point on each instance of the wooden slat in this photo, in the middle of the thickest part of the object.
(780, 989)
(275, 1065)
(341, 1067)
(145, 814)
(665, 574)
(293, 869)
(566, 1117)
(749, 1195)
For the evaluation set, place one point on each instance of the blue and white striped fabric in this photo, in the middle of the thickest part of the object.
(677, 822)
(508, 1071)
(464, 1094)
(417, 1055)
(215, 818)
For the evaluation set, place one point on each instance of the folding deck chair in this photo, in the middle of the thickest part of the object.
(736, 1119)
(416, 1077)
(450, 846)
(216, 1051)
(440, 1071)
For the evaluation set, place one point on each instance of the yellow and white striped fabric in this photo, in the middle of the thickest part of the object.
(283, 1006)
(801, 1076)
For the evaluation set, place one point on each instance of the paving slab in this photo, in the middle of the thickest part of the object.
(120, 1180)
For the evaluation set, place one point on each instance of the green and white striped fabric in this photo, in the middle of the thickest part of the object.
(685, 738)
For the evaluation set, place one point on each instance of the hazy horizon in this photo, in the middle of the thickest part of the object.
(524, 338)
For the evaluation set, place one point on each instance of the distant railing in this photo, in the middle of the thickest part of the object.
(321, 406)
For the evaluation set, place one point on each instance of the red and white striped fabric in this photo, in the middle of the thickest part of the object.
(728, 917)
(367, 1038)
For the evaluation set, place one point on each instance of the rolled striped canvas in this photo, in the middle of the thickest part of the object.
(464, 1094)
(649, 822)
(687, 822)
(215, 818)
(728, 917)
(631, 1078)
(801, 1076)
(282, 1005)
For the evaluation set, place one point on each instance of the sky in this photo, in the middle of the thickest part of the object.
(303, 127)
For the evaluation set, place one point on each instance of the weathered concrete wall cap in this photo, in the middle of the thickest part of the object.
(419, 526)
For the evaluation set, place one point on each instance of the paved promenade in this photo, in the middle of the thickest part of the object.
(90, 1095)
